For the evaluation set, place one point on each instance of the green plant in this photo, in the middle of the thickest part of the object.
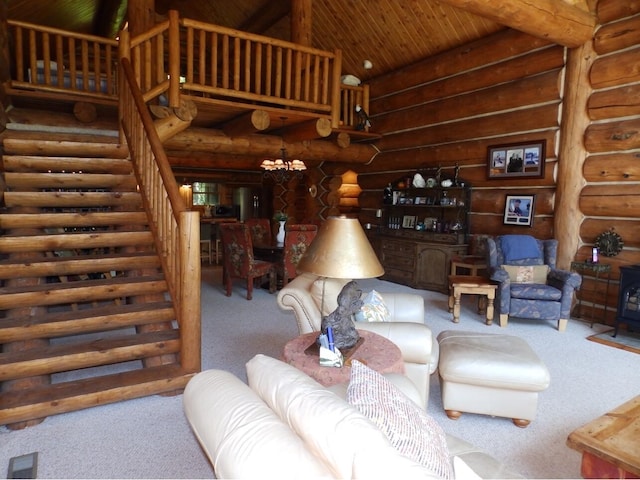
(280, 216)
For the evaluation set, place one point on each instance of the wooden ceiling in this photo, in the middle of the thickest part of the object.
(389, 33)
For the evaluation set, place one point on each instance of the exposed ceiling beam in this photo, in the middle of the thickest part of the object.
(554, 20)
(210, 141)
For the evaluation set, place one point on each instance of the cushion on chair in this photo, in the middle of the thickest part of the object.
(518, 247)
(535, 291)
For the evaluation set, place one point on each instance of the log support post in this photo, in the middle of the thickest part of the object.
(572, 154)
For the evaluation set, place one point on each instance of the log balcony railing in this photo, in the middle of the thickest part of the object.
(186, 57)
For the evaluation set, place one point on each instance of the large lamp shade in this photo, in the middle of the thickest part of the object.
(341, 249)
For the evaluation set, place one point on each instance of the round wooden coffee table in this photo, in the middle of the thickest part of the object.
(375, 351)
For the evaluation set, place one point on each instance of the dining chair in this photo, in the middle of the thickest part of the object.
(260, 230)
(297, 239)
(238, 259)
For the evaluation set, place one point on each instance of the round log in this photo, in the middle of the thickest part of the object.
(85, 112)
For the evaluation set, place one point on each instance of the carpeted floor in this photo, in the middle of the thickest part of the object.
(628, 341)
(150, 438)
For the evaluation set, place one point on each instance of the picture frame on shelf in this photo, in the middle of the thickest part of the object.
(518, 210)
(409, 221)
(513, 160)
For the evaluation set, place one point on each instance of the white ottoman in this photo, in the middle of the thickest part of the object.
(490, 374)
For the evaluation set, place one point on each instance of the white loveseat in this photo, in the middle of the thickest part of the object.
(405, 327)
(285, 425)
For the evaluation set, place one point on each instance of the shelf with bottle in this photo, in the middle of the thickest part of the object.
(437, 205)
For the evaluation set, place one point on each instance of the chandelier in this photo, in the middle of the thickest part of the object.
(282, 169)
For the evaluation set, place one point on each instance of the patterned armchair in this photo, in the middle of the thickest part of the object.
(238, 259)
(260, 229)
(514, 261)
(297, 239)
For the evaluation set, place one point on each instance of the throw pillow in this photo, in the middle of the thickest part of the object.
(528, 273)
(409, 428)
(373, 309)
(332, 288)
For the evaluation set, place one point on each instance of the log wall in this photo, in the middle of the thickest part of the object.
(447, 110)
(610, 197)
(510, 87)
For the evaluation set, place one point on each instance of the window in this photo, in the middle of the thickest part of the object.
(205, 193)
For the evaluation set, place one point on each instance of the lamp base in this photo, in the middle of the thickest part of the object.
(345, 335)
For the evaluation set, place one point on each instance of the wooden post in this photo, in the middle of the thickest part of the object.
(572, 154)
(188, 304)
(301, 22)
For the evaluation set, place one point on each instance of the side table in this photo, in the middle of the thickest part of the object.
(609, 444)
(598, 269)
(482, 286)
(375, 351)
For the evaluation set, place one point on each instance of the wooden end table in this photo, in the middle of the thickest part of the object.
(375, 351)
(476, 285)
(610, 444)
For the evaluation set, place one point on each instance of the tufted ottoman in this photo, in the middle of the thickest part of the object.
(490, 374)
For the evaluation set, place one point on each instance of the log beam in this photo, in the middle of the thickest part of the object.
(318, 128)
(555, 20)
(206, 140)
(251, 122)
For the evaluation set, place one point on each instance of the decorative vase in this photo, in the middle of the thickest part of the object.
(280, 235)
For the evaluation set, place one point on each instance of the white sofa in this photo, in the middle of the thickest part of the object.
(405, 328)
(286, 425)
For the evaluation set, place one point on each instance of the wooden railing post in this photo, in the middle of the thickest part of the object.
(174, 59)
(124, 51)
(335, 89)
(189, 301)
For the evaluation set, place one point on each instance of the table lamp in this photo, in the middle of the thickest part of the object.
(341, 249)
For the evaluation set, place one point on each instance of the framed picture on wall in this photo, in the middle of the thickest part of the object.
(516, 160)
(518, 210)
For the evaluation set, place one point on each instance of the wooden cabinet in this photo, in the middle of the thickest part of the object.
(417, 262)
(422, 229)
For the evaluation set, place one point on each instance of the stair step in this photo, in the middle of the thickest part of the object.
(32, 163)
(89, 320)
(72, 199)
(45, 400)
(80, 291)
(73, 356)
(77, 265)
(27, 181)
(80, 219)
(19, 146)
(74, 241)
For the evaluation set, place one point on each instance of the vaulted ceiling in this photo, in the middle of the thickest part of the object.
(388, 33)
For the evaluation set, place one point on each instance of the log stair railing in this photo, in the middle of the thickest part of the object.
(86, 315)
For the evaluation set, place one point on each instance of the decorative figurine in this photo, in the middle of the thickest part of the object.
(340, 320)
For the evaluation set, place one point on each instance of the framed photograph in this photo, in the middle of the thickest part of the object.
(409, 221)
(518, 210)
(516, 160)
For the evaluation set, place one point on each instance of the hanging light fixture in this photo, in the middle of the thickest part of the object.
(282, 168)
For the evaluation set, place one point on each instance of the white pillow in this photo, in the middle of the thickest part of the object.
(332, 288)
(408, 427)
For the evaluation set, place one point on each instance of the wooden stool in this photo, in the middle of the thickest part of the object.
(476, 285)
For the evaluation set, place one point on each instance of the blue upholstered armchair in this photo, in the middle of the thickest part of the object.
(530, 285)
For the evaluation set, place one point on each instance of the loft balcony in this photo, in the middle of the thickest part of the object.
(227, 73)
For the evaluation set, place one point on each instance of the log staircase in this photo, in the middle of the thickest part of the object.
(85, 313)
